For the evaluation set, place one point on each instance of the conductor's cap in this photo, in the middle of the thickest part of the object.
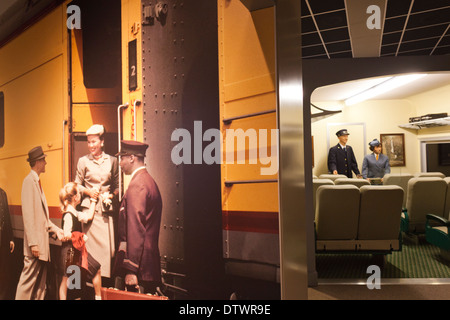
(131, 147)
(342, 132)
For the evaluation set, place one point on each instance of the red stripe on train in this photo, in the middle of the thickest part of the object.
(261, 222)
(54, 212)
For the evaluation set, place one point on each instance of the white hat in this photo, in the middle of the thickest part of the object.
(95, 129)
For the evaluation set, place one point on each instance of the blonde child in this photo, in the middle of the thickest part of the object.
(70, 197)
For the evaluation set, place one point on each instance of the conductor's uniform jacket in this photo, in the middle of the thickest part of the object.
(139, 224)
(342, 161)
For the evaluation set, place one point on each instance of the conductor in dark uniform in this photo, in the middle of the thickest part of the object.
(341, 159)
(138, 258)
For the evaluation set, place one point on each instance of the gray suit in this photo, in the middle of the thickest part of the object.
(37, 226)
(373, 168)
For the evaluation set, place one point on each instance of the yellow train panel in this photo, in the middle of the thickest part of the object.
(35, 46)
(85, 115)
(252, 104)
(266, 121)
(247, 49)
(12, 172)
(34, 117)
(250, 149)
(34, 108)
(34, 83)
(247, 74)
(131, 30)
(248, 197)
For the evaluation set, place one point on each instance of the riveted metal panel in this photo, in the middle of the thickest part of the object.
(162, 115)
(180, 86)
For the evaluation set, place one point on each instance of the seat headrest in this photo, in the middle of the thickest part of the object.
(354, 181)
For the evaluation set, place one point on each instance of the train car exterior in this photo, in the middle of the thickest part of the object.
(154, 74)
(47, 101)
(50, 99)
(35, 90)
(248, 102)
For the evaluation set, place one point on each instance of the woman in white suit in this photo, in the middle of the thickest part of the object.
(98, 178)
(375, 165)
(37, 227)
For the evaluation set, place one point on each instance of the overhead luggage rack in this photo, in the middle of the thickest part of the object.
(427, 124)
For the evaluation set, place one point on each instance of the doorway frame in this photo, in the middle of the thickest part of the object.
(423, 148)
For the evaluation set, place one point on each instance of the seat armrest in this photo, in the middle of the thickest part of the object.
(437, 230)
(405, 213)
(404, 222)
(442, 221)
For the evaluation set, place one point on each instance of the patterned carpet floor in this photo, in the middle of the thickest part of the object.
(420, 260)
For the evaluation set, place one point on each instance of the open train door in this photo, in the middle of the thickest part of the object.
(95, 76)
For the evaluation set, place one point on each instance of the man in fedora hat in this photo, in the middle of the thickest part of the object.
(37, 227)
(138, 259)
(341, 159)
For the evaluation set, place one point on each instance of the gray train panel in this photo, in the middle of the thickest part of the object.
(180, 86)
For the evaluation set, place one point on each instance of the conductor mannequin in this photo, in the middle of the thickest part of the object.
(341, 159)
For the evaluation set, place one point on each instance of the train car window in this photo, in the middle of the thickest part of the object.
(2, 119)
(101, 28)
